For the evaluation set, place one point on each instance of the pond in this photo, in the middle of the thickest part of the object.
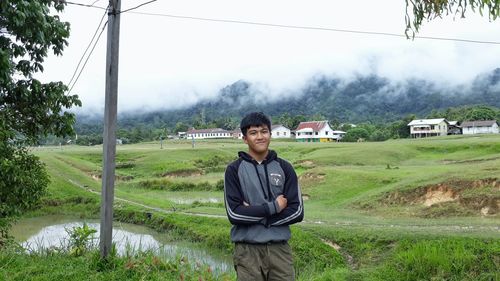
(45, 232)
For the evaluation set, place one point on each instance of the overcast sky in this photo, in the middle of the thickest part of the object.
(169, 62)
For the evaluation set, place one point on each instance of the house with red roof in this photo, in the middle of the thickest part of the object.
(317, 131)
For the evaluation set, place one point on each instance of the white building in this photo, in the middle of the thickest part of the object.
(216, 133)
(280, 131)
(317, 131)
(428, 127)
(480, 127)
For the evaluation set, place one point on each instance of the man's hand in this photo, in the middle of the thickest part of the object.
(282, 202)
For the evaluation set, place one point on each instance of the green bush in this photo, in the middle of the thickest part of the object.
(443, 259)
(164, 184)
(23, 181)
(80, 239)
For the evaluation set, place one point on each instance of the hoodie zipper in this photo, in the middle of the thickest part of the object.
(267, 179)
(260, 180)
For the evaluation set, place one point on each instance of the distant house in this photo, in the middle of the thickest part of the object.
(216, 133)
(454, 128)
(338, 135)
(237, 134)
(422, 128)
(480, 127)
(280, 131)
(317, 131)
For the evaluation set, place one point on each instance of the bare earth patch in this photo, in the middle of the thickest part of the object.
(307, 164)
(183, 173)
(461, 197)
(349, 258)
(311, 176)
(98, 177)
(310, 180)
(440, 194)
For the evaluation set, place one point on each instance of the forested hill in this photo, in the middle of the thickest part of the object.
(364, 98)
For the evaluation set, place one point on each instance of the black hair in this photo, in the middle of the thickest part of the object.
(254, 119)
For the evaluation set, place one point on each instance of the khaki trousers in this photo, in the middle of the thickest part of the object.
(264, 262)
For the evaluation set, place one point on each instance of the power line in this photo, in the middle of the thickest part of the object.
(88, 57)
(130, 9)
(315, 28)
(294, 26)
(93, 3)
(90, 43)
(86, 5)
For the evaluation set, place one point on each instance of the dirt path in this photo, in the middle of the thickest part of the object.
(160, 210)
(453, 228)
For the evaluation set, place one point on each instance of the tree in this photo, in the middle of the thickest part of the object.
(418, 10)
(380, 135)
(28, 108)
(356, 134)
(481, 113)
(180, 127)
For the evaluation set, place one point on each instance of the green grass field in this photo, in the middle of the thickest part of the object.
(425, 209)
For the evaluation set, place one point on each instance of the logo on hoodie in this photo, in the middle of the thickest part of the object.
(276, 179)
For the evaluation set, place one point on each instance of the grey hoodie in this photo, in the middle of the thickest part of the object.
(258, 185)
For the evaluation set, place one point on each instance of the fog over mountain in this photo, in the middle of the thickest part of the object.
(363, 98)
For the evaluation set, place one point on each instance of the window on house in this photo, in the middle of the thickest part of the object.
(326, 132)
(277, 134)
(432, 127)
(284, 133)
(298, 134)
(316, 133)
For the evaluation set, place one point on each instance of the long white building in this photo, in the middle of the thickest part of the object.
(480, 127)
(216, 133)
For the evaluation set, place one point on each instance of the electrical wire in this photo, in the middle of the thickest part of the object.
(315, 28)
(86, 50)
(88, 57)
(295, 26)
(85, 5)
(138, 6)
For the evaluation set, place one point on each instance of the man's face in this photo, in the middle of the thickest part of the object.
(258, 139)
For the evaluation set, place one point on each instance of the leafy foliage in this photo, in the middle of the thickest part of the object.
(418, 10)
(28, 107)
(80, 239)
(356, 134)
(23, 181)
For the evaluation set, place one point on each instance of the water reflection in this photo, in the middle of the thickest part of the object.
(128, 238)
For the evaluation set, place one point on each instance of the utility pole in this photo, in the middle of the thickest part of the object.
(109, 135)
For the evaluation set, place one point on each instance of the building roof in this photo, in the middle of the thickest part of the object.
(417, 122)
(483, 123)
(314, 125)
(207, 131)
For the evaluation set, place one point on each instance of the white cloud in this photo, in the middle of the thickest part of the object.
(168, 62)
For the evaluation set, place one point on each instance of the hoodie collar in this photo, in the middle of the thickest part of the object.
(271, 155)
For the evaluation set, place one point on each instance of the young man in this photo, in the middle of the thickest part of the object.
(262, 198)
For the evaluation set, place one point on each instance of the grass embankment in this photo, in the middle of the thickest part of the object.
(50, 265)
(391, 209)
